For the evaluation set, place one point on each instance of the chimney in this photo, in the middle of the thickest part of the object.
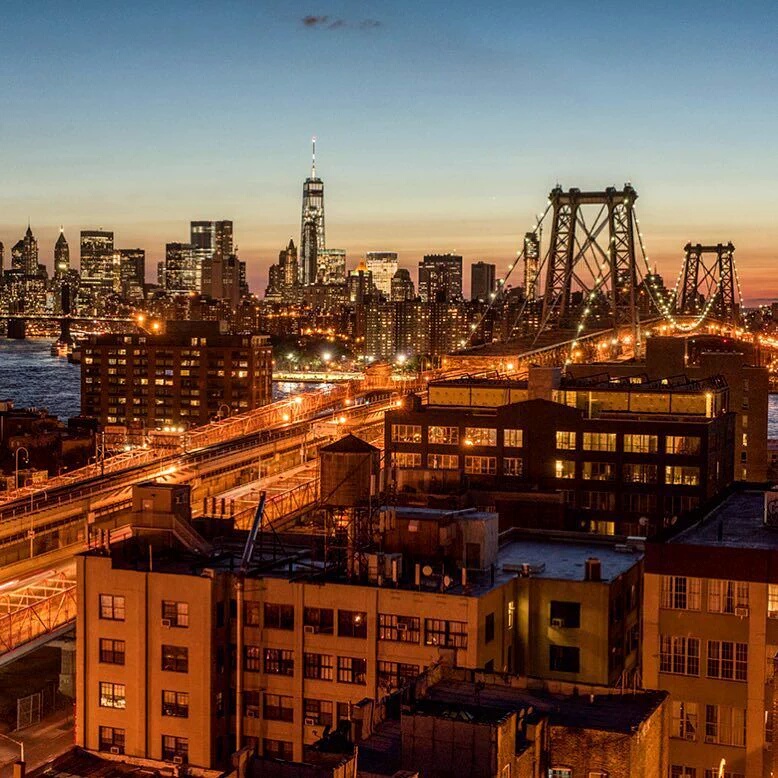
(593, 570)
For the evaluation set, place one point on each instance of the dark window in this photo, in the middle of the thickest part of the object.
(352, 624)
(111, 651)
(564, 659)
(111, 738)
(251, 704)
(219, 614)
(278, 707)
(112, 607)
(277, 749)
(279, 661)
(489, 629)
(344, 711)
(253, 659)
(352, 670)
(404, 629)
(251, 613)
(319, 620)
(565, 614)
(279, 616)
(175, 704)
(452, 634)
(177, 613)
(317, 666)
(394, 675)
(318, 712)
(173, 747)
(175, 659)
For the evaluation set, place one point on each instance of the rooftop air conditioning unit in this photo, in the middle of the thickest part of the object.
(166, 622)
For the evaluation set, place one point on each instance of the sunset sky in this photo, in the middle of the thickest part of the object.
(441, 126)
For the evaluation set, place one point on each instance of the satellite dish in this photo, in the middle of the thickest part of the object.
(447, 581)
(427, 570)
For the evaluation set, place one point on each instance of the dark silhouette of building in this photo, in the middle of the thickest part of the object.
(482, 281)
(440, 278)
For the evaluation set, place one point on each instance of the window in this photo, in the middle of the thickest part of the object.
(564, 659)
(173, 747)
(481, 465)
(443, 461)
(406, 459)
(679, 655)
(772, 601)
(352, 670)
(111, 651)
(352, 624)
(403, 629)
(560, 772)
(443, 436)
(279, 616)
(565, 440)
(599, 471)
(317, 666)
(681, 593)
(176, 612)
(406, 433)
(175, 704)
(252, 659)
(251, 613)
(681, 771)
(320, 619)
(688, 445)
(112, 695)
(489, 628)
(279, 661)
(278, 707)
(565, 614)
(725, 725)
(317, 712)
(395, 675)
(564, 468)
(452, 634)
(278, 749)
(175, 659)
(640, 444)
(513, 438)
(111, 737)
(598, 501)
(599, 441)
(251, 703)
(679, 475)
(513, 466)
(727, 660)
(480, 436)
(727, 596)
(684, 723)
(112, 607)
(715, 772)
(639, 474)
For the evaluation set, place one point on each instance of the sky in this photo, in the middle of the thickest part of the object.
(441, 126)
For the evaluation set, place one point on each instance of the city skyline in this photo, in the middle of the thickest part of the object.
(396, 146)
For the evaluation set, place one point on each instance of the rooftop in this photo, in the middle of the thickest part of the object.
(738, 522)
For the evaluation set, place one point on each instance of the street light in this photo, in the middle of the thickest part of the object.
(26, 459)
(219, 416)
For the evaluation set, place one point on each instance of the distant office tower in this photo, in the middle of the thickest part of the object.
(383, 266)
(61, 255)
(287, 261)
(97, 258)
(331, 266)
(402, 286)
(211, 243)
(2, 258)
(181, 269)
(24, 254)
(482, 282)
(440, 278)
(132, 273)
(531, 265)
(312, 239)
(360, 284)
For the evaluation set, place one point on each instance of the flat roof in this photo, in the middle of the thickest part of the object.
(566, 559)
(741, 518)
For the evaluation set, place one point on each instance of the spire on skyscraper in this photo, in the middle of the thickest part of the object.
(313, 157)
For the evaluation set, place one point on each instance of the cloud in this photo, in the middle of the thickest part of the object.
(325, 22)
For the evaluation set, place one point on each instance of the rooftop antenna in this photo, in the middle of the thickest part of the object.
(313, 158)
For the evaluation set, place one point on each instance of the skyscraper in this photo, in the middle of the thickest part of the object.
(24, 254)
(97, 260)
(331, 266)
(440, 278)
(383, 266)
(531, 264)
(402, 286)
(481, 281)
(211, 243)
(181, 268)
(61, 255)
(312, 239)
(132, 273)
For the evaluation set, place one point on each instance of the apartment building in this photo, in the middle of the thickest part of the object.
(183, 377)
(181, 656)
(627, 457)
(711, 638)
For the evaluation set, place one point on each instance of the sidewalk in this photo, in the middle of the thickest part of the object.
(42, 742)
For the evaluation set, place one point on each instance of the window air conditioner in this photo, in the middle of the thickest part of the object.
(115, 750)
(166, 622)
(557, 622)
(178, 759)
(310, 721)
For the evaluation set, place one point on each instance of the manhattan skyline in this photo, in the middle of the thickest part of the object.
(436, 132)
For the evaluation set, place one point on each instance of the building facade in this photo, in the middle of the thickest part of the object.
(482, 281)
(383, 265)
(440, 278)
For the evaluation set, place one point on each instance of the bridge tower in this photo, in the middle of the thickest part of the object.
(582, 272)
(708, 282)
